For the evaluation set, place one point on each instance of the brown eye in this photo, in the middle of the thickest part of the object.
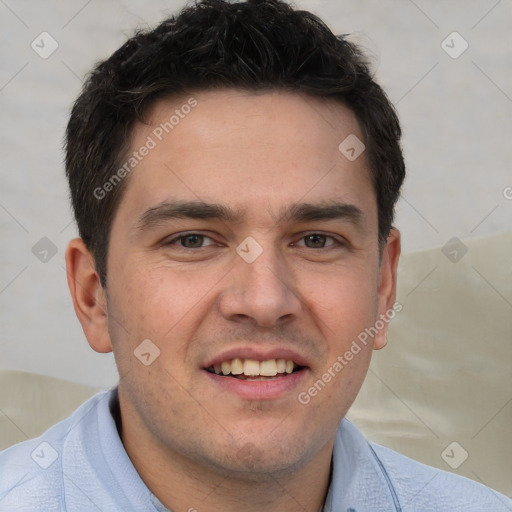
(192, 241)
(316, 241)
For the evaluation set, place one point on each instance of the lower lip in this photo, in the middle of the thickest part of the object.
(259, 389)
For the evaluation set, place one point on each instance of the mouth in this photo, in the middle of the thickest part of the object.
(256, 373)
(254, 370)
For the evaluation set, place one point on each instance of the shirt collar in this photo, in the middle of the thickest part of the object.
(359, 482)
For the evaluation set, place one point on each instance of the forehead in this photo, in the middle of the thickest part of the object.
(246, 149)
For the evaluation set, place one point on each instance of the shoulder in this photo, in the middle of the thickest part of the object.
(32, 472)
(421, 487)
(370, 477)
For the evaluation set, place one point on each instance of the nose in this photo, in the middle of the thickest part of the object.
(262, 292)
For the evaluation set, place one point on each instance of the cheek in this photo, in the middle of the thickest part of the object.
(155, 299)
(158, 303)
(344, 301)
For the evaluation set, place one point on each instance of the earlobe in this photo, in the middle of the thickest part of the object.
(387, 286)
(381, 340)
(89, 298)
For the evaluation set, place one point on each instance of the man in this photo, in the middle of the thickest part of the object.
(233, 174)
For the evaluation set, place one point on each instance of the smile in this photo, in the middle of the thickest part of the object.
(252, 369)
(251, 379)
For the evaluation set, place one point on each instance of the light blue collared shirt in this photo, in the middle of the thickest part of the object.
(80, 464)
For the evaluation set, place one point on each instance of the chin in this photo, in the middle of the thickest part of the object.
(257, 462)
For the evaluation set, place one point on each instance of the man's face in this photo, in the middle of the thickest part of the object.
(267, 275)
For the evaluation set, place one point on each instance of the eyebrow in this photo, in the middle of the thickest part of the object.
(297, 212)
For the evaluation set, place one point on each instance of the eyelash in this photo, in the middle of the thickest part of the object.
(185, 235)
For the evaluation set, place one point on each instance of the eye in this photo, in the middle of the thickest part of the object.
(318, 241)
(191, 241)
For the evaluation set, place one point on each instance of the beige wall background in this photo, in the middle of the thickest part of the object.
(455, 108)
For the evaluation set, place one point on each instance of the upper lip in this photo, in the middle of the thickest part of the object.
(259, 354)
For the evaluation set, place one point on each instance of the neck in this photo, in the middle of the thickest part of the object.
(201, 490)
(182, 484)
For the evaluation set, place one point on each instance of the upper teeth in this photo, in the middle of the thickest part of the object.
(252, 367)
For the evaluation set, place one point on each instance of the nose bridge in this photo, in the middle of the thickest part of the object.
(261, 286)
(266, 275)
(269, 273)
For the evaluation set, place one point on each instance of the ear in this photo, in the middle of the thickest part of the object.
(387, 285)
(89, 298)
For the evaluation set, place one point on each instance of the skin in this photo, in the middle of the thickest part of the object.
(194, 444)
